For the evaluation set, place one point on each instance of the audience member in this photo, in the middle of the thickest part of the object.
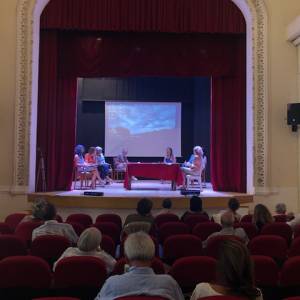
(143, 214)
(233, 206)
(166, 207)
(227, 222)
(89, 245)
(195, 208)
(169, 158)
(280, 209)
(37, 211)
(103, 166)
(140, 278)
(52, 227)
(234, 275)
(261, 216)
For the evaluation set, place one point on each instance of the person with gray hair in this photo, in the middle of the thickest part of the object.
(38, 210)
(103, 166)
(227, 222)
(280, 209)
(89, 245)
(140, 278)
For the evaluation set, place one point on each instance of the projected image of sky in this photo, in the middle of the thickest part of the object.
(142, 118)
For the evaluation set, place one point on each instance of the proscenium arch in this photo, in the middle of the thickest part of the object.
(27, 66)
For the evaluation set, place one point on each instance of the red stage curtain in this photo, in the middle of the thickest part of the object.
(56, 116)
(228, 127)
(214, 16)
(156, 54)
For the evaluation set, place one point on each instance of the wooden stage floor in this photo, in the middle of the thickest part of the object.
(116, 197)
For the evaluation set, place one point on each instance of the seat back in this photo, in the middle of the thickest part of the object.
(246, 219)
(113, 218)
(290, 275)
(84, 219)
(280, 218)
(296, 231)
(13, 220)
(189, 271)
(156, 265)
(172, 228)
(80, 271)
(11, 245)
(24, 271)
(5, 228)
(205, 229)
(214, 243)
(24, 231)
(249, 228)
(165, 218)
(294, 248)
(193, 220)
(141, 298)
(280, 229)
(266, 271)
(108, 245)
(181, 245)
(78, 228)
(269, 245)
(110, 229)
(49, 247)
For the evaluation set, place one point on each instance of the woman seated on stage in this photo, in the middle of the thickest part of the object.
(196, 167)
(91, 165)
(103, 166)
(169, 158)
(89, 245)
(121, 161)
(78, 157)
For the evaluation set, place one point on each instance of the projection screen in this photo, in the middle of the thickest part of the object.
(146, 129)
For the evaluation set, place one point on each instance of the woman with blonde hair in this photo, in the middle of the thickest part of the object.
(89, 245)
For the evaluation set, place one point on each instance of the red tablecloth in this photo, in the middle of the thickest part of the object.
(154, 171)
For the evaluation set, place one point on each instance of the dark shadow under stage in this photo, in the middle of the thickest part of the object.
(116, 197)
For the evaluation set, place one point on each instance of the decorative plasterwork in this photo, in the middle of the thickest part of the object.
(27, 20)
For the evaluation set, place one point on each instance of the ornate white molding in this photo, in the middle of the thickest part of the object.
(28, 14)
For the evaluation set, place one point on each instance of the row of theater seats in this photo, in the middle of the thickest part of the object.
(83, 276)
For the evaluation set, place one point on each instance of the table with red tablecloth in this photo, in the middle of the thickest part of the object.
(154, 171)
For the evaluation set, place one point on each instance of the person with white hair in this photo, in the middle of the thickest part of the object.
(195, 168)
(280, 209)
(38, 210)
(103, 166)
(227, 222)
(89, 245)
(140, 278)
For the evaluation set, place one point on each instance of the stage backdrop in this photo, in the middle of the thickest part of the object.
(202, 38)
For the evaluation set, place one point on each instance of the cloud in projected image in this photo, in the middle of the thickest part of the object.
(142, 118)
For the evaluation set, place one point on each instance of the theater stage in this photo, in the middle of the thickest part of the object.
(116, 197)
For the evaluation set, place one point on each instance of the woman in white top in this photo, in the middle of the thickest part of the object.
(234, 275)
(89, 245)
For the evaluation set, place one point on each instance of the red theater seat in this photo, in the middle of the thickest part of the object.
(189, 271)
(84, 219)
(205, 229)
(193, 220)
(269, 245)
(108, 245)
(110, 229)
(280, 218)
(290, 275)
(297, 231)
(214, 243)
(223, 298)
(113, 218)
(141, 298)
(181, 245)
(165, 218)
(295, 248)
(11, 245)
(49, 247)
(172, 228)
(5, 228)
(56, 298)
(156, 265)
(78, 228)
(280, 229)
(13, 220)
(249, 228)
(24, 230)
(246, 219)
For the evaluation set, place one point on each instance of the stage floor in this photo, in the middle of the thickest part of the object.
(116, 197)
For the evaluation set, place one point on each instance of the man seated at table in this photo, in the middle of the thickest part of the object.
(121, 161)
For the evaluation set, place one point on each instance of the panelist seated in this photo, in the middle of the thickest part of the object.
(121, 161)
(103, 166)
(91, 163)
(79, 157)
(169, 158)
